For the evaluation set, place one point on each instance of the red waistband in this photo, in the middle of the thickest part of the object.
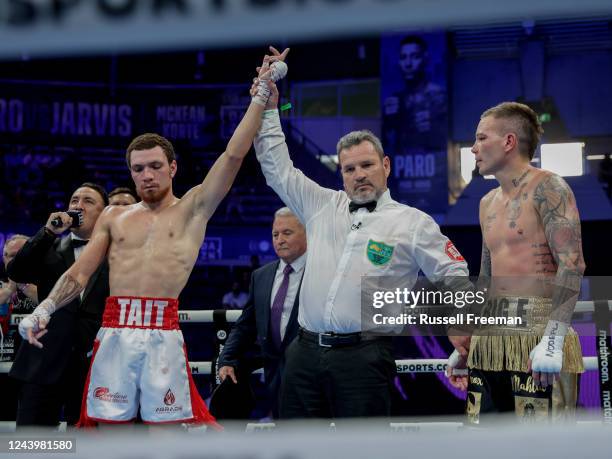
(139, 312)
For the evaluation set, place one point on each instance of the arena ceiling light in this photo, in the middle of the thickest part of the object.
(564, 159)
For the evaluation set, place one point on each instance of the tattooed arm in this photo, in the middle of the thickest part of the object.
(487, 218)
(484, 277)
(556, 206)
(70, 284)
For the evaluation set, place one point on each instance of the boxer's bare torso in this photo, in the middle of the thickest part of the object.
(153, 245)
(152, 252)
(515, 244)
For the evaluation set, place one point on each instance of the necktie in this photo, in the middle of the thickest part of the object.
(277, 307)
(78, 243)
(353, 206)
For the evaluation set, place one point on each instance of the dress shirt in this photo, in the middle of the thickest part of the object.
(339, 242)
(294, 284)
(77, 251)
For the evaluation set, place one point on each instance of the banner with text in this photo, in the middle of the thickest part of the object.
(91, 115)
(415, 118)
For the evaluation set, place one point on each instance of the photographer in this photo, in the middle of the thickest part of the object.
(53, 377)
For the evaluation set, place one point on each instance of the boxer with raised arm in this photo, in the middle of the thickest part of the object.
(152, 246)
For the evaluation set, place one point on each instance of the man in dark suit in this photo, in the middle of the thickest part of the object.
(53, 376)
(270, 315)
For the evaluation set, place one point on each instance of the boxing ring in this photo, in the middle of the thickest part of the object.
(222, 320)
(229, 316)
(354, 439)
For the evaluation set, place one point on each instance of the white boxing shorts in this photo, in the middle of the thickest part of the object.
(140, 360)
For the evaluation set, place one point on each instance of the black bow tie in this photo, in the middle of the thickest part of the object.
(353, 206)
(78, 243)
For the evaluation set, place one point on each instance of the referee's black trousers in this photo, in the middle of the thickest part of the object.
(338, 382)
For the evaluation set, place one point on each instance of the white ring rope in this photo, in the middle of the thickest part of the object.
(206, 316)
(403, 366)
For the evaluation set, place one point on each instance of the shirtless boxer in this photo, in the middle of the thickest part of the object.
(152, 246)
(532, 255)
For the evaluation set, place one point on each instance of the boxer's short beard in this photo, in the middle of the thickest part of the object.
(156, 196)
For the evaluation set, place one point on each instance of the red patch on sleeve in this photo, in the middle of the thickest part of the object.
(452, 252)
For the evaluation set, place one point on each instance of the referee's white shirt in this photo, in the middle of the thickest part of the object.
(338, 256)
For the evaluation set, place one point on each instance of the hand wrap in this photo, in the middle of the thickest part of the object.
(547, 356)
(32, 322)
(278, 70)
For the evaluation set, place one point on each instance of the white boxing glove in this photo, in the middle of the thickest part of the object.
(547, 356)
(38, 320)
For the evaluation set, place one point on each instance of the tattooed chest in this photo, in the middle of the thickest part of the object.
(512, 213)
(514, 253)
(516, 207)
(513, 223)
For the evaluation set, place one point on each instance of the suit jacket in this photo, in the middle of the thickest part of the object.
(254, 326)
(72, 329)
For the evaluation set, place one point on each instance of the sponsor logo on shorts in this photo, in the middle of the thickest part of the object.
(530, 410)
(104, 394)
(168, 409)
(526, 385)
(475, 380)
(169, 401)
(452, 252)
(169, 398)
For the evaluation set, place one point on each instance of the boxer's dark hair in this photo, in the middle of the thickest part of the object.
(94, 186)
(121, 190)
(146, 142)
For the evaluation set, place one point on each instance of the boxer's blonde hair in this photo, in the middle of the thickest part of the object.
(524, 121)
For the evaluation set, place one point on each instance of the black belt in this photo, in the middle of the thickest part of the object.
(331, 339)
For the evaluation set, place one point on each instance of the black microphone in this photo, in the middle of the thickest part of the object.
(355, 226)
(77, 219)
